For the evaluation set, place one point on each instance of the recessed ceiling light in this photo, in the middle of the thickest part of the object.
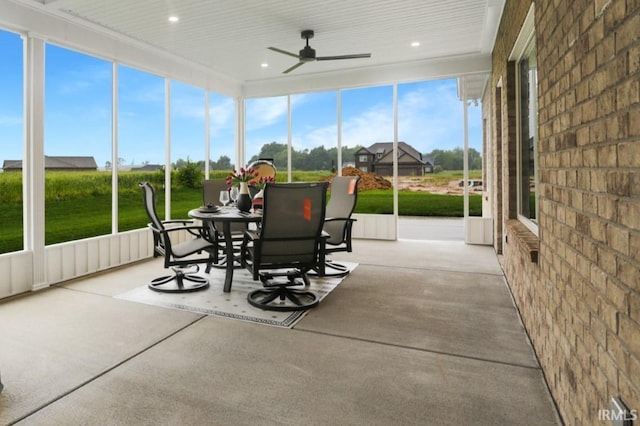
(173, 19)
(415, 44)
(264, 65)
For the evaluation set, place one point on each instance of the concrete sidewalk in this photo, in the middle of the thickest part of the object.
(431, 228)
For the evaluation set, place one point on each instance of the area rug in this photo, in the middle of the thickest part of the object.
(213, 301)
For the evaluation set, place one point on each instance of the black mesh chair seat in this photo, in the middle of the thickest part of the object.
(180, 257)
(289, 243)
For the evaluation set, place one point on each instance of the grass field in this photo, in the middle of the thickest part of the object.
(78, 204)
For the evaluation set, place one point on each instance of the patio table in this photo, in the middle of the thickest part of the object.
(226, 216)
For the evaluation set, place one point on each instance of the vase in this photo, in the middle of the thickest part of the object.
(244, 199)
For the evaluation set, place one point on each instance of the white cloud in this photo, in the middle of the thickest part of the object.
(222, 114)
(263, 112)
(372, 125)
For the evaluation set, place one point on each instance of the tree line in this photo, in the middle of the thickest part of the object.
(321, 158)
(454, 159)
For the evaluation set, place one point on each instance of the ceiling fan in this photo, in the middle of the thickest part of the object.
(307, 54)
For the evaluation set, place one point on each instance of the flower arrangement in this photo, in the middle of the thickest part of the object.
(244, 175)
(263, 181)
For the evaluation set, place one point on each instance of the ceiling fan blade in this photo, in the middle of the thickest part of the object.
(288, 70)
(284, 52)
(355, 56)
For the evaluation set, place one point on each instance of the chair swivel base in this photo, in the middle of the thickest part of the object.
(181, 282)
(331, 269)
(280, 297)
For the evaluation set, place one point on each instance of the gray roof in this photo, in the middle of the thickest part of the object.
(57, 162)
(403, 149)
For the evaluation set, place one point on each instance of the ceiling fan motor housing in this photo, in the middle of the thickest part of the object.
(307, 54)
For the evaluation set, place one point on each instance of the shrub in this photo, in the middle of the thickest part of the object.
(190, 176)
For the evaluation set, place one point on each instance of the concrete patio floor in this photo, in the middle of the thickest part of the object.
(422, 332)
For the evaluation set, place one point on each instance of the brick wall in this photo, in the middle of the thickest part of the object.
(580, 302)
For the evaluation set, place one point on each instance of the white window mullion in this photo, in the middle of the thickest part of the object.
(167, 148)
(114, 149)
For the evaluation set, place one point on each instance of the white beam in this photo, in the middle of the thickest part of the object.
(370, 76)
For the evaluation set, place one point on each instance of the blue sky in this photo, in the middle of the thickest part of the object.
(78, 113)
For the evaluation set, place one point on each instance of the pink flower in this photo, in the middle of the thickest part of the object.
(244, 175)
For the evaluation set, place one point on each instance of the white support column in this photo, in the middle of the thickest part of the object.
(240, 147)
(114, 149)
(339, 130)
(465, 156)
(33, 164)
(289, 139)
(477, 230)
(167, 148)
(395, 155)
(207, 138)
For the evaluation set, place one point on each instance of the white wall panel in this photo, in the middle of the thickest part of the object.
(53, 264)
(16, 273)
(81, 258)
(68, 260)
(93, 255)
(375, 226)
(103, 253)
(124, 249)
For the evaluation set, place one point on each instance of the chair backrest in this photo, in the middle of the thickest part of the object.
(344, 196)
(149, 199)
(293, 216)
(211, 191)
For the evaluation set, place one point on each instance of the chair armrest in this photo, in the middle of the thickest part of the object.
(192, 229)
(251, 234)
(333, 219)
(183, 221)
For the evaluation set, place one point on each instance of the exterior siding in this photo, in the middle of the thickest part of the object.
(580, 302)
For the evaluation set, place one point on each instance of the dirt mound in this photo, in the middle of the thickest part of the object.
(367, 180)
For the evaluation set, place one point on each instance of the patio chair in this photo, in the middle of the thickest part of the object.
(177, 256)
(289, 243)
(211, 196)
(338, 223)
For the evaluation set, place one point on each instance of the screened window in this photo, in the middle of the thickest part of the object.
(141, 143)
(314, 133)
(221, 135)
(266, 133)
(527, 95)
(11, 145)
(188, 130)
(78, 119)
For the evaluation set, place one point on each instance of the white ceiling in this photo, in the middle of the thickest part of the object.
(231, 36)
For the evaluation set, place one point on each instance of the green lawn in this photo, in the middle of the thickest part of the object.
(78, 205)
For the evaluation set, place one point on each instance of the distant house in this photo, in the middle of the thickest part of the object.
(147, 168)
(378, 158)
(56, 163)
